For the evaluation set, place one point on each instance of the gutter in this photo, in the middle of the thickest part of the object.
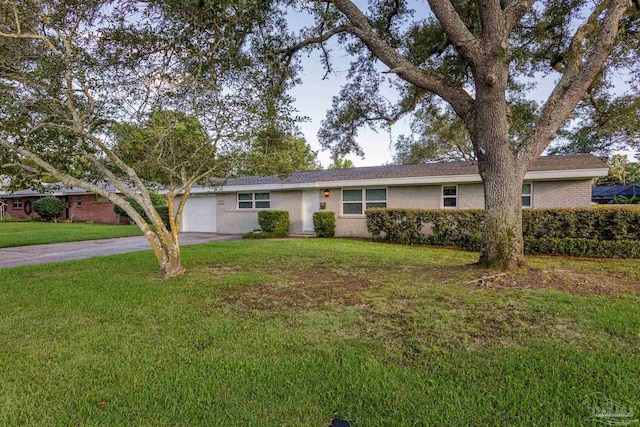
(553, 175)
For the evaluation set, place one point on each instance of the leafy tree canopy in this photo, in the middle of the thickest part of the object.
(276, 152)
(168, 147)
(339, 163)
(602, 127)
(621, 171)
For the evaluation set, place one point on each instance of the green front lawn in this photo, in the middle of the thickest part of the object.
(293, 332)
(36, 233)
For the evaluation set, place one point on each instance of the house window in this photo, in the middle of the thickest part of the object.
(79, 202)
(17, 203)
(527, 195)
(450, 196)
(354, 202)
(254, 200)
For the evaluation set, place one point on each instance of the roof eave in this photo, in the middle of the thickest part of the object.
(554, 175)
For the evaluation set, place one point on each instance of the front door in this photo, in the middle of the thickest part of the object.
(310, 204)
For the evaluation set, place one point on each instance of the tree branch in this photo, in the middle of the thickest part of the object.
(429, 81)
(578, 76)
(75, 182)
(514, 12)
(466, 43)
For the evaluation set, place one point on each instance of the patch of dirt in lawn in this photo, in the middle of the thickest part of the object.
(301, 290)
(221, 271)
(577, 282)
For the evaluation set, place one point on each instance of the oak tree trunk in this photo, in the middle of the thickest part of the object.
(502, 242)
(502, 175)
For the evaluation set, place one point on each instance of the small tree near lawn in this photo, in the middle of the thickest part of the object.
(96, 99)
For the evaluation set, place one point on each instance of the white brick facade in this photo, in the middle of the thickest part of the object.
(545, 194)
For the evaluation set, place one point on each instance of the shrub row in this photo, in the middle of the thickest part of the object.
(581, 232)
(324, 223)
(259, 235)
(416, 226)
(583, 247)
(596, 224)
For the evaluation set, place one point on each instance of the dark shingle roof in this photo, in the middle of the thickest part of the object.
(546, 163)
(54, 189)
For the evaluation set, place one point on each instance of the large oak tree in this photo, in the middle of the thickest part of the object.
(478, 56)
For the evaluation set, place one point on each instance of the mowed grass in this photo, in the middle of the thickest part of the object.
(36, 233)
(295, 332)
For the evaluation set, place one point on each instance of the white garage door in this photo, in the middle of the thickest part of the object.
(200, 214)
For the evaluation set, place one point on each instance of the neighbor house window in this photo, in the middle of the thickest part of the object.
(527, 194)
(254, 200)
(354, 202)
(17, 203)
(450, 196)
(79, 202)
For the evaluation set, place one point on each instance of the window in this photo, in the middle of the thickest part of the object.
(79, 202)
(254, 200)
(354, 202)
(450, 196)
(527, 195)
(17, 203)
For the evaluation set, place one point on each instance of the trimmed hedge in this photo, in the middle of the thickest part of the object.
(274, 223)
(261, 235)
(594, 224)
(583, 247)
(324, 223)
(417, 226)
(49, 208)
(612, 232)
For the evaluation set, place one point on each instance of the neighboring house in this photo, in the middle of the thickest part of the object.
(551, 182)
(79, 205)
(605, 195)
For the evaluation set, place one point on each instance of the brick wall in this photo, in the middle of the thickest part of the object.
(230, 219)
(19, 212)
(546, 194)
(91, 210)
(562, 194)
(550, 194)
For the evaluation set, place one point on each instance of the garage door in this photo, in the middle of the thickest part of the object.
(200, 214)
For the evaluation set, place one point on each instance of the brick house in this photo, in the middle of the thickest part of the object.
(551, 182)
(79, 205)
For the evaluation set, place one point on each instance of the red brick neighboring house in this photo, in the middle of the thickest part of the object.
(79, 205)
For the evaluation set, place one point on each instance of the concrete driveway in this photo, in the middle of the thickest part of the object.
(42, 254)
